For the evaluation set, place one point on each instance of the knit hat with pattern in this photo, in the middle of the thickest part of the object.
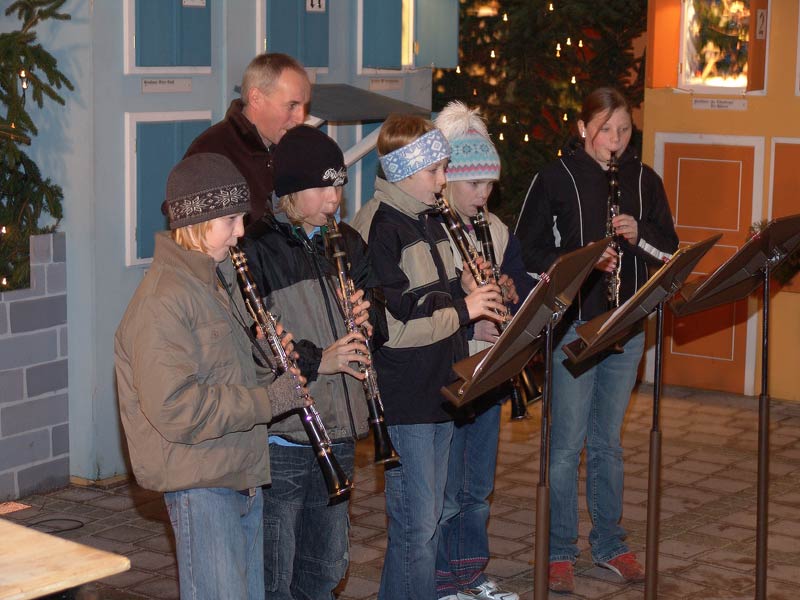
(473, 155)
(203, 187)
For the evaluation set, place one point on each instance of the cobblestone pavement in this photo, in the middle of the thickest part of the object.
(708, 509)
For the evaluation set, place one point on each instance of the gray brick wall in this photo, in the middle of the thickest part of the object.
(34, 415)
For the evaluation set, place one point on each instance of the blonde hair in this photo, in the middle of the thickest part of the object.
(192, 237)
(287, 204)
(400, 130)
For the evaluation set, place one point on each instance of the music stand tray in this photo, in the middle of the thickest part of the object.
(610, 327)
(741, 274)
(514, 348)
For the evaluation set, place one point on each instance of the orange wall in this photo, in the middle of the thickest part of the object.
(774, 114)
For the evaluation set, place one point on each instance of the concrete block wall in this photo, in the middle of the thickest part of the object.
(34, 415)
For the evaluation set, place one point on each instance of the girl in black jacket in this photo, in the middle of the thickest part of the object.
(565, 209)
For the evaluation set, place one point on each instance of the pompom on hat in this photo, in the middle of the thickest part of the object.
(203, 187)
(473, 155)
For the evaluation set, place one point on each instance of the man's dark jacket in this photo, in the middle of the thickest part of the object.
(238, 139)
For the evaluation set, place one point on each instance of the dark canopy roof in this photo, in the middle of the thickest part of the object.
(342, 103)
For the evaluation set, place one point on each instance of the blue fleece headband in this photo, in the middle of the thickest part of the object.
(423, 151)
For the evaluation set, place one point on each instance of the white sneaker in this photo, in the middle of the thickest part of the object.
(488, 590)
(450, 597)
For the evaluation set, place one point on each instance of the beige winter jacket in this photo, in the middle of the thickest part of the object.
(192, 404)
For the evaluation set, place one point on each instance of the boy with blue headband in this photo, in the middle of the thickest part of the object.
(428, 306)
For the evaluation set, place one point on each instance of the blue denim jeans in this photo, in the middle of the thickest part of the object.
(306, 542)
(463, 541)
(589, 408)
(218, 537)
(414, 500)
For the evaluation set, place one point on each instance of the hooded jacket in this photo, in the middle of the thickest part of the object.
(193, 403)
(299, 282)
(566, 208)
(238, 139)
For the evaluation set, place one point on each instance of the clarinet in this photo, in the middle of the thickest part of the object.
(519, 403)
(336, 480)
(384, 451)
(484, 235)
(613, 279)
(469, 255)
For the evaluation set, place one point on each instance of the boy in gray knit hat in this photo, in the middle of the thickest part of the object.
(193, 403)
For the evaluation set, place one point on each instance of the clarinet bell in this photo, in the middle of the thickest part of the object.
(336, 480)
(519, 402)
(531, 378)
(385, 454)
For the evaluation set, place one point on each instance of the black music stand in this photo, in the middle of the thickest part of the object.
(542, 309)
(608, 328)
(734, 280)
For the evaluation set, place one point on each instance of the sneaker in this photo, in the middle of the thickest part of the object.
(561, 576)
(626, 566)
(450, 597)
(488, 590)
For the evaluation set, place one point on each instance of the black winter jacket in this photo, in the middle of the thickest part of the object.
(298, 281)
(565, 209)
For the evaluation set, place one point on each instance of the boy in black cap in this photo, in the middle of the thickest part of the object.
(306, 544)
(193, 403)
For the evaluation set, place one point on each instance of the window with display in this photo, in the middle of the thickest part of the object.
(715, 43)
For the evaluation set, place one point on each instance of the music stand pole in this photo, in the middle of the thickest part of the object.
(654, 472)
(763, 447)
(542, 536)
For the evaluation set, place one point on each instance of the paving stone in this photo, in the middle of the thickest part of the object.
(723, 578)
(723, 530)
(676, 587)
(357, 587)
(503, 567)
(113, 502)
(681, 549)
(787, 528)
(360, 553)
(722, 484)
(362, 533)
(505, 529)
(125, 533)
(157, 544)
(782, 543)
(676, 474)
(127, 578)
(161, 587)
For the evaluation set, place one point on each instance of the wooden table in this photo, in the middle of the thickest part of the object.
(33, 564)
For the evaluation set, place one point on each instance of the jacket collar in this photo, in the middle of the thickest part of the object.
(244, 127)
(398, 199)
(198, 264)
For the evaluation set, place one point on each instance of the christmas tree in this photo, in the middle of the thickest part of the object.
(26, 70)
(528, 63)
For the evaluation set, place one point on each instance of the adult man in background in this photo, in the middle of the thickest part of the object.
(275, 95)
